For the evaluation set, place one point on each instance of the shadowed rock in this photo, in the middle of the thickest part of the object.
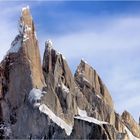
(60, 82)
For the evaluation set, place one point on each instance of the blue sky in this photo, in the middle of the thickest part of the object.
(105, 34)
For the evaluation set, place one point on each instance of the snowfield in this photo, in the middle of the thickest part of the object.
(68, 129)
(83, 116)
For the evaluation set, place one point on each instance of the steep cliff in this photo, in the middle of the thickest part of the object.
(21, 72)
(131, 123)
(95, 92)
(48, 102)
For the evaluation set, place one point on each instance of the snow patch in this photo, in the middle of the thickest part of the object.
(35, 35)
(83, 116)
(63, 57)
(25, 8)
(23, 27)
(25, 37)
(49, 44)
(65, 89)
(15, 45)
(35, 97)
(82, 113)
(58, 53)
(84, 60)
(68, 129)
(84, 79)
(130, 135)
(24, 30)
(44, 92)
(27, 28)
(99, 96)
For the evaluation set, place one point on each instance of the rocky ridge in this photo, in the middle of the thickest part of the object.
(48, 102)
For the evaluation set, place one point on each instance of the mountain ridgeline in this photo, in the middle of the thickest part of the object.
(47, 102)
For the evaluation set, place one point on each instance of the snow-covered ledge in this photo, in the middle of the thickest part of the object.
(35, 97)
(83, 116)
(68, 129)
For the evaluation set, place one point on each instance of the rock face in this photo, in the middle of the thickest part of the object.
(131, 124)
(87, 77)
(30, 47)
(60, 81)
(48, 102)
(61, 85)
(92, 131)
(21, 72)
(95, 92)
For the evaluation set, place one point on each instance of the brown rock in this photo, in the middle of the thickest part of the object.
(119, 124)
(59, 77)
(22, 72)
(95, 92)
(30, 48)
(131, 124)
(23, 65)
(89, 78)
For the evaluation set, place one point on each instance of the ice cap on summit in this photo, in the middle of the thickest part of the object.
(25, 8)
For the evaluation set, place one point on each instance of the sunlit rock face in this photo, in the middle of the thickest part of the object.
(131, 124)
(60, 83)
(95, 92)
(47, 102)
(21, 72)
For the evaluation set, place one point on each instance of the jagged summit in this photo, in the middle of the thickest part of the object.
(48, 102)
(26, 25)
(83, 61)
(131, 123)
(26, 8)
(49, 44)
(26, 31)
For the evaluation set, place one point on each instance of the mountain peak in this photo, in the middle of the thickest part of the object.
(25, 13)
(49, 44)
(48, 102)
(26, 8)
(83, 61)
(26, 22)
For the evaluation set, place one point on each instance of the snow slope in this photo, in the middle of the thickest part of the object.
(130, 135)
(68, 129)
